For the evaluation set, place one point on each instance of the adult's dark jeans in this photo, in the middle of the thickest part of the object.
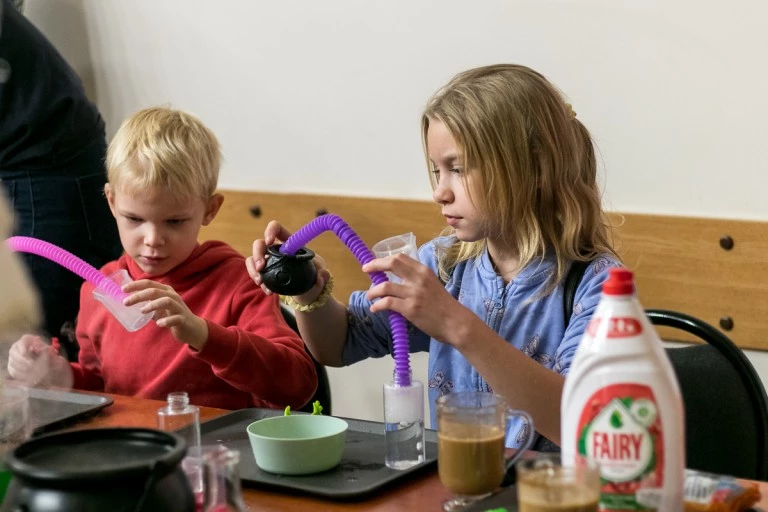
(66, 207)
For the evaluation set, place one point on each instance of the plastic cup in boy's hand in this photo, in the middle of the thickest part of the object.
(400, 244)
(130, 317)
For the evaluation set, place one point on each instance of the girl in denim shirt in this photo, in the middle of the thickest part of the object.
(515, 174)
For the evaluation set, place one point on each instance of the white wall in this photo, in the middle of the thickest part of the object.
(325, 97)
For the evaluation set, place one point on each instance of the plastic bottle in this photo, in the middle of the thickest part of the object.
(621, 406)
(184, 419)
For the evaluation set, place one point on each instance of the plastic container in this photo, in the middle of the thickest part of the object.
(130, 317)
(621, 407)
(404, 425)
(184, 419)
(400, 244)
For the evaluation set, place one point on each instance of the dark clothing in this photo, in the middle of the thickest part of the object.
(45, 117)
(52, 150)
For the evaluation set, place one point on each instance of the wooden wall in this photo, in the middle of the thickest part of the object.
(680, 263)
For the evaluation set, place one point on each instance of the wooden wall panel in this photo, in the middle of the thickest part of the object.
(678, 261)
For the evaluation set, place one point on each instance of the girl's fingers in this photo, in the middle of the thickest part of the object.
(259, 251)
(387, 289)
(401, 265)
(253, 269)
(389, 303)
(275, 231)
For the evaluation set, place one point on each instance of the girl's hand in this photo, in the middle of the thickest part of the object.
(275, 233)
(35, 363)
(170, 311)
(420, 297)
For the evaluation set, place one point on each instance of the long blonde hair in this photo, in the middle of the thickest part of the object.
(533, 167)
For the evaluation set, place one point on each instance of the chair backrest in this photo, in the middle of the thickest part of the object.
(323, 392)
(726, 409)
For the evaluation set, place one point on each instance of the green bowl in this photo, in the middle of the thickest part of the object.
(298, 444)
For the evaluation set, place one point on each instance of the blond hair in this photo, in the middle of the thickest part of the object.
(533, 167)
(162, 148)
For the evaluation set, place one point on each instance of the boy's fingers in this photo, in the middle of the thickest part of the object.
(137, 285)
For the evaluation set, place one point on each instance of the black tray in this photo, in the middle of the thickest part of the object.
(52, 409)
(362, 470)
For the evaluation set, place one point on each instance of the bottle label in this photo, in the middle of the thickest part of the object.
(618, 327)
(620, 429)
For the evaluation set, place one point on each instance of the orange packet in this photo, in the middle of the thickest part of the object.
(706, 492)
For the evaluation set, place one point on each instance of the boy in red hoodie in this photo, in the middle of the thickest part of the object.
(215, 334)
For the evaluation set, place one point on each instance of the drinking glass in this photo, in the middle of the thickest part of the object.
(546, 484)
(471, 430)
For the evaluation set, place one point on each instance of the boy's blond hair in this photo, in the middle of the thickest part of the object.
(166, 149)
(533, 166)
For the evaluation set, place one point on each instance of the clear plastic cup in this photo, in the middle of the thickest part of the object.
(130, 317)
(400, 244)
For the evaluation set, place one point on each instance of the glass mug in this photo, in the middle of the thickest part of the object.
(471, 430)
(545, 484)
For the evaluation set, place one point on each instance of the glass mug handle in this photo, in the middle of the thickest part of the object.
(509, 463)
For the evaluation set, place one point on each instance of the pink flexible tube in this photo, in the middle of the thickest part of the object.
(331, 222)
(67, 260)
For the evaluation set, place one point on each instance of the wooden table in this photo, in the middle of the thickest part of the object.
(423, 492)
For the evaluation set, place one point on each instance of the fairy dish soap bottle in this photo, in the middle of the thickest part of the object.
(621, 406)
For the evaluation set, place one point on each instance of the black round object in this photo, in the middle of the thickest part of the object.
(112, 469)
(289, 275)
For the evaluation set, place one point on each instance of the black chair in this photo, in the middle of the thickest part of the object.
(726, 409)
(323, 392)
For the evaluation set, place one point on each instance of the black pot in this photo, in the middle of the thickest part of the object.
(113, 470)
(289, 275)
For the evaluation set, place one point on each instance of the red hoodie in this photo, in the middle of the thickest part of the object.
(252, 358)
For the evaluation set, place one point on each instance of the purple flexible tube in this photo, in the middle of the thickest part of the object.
(67, 260)
(331, 222)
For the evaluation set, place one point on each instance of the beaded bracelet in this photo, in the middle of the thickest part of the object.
(318, 303)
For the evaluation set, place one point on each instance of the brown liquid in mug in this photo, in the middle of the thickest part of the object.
(470, 458)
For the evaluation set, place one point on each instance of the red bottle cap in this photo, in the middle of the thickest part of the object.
(619, 282)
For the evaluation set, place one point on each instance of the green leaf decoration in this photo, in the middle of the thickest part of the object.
(616, 420)
(317, 409)
(287, 411)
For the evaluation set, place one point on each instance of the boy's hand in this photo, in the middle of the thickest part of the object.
(35, 363)
(170, 311)
(275, 233)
